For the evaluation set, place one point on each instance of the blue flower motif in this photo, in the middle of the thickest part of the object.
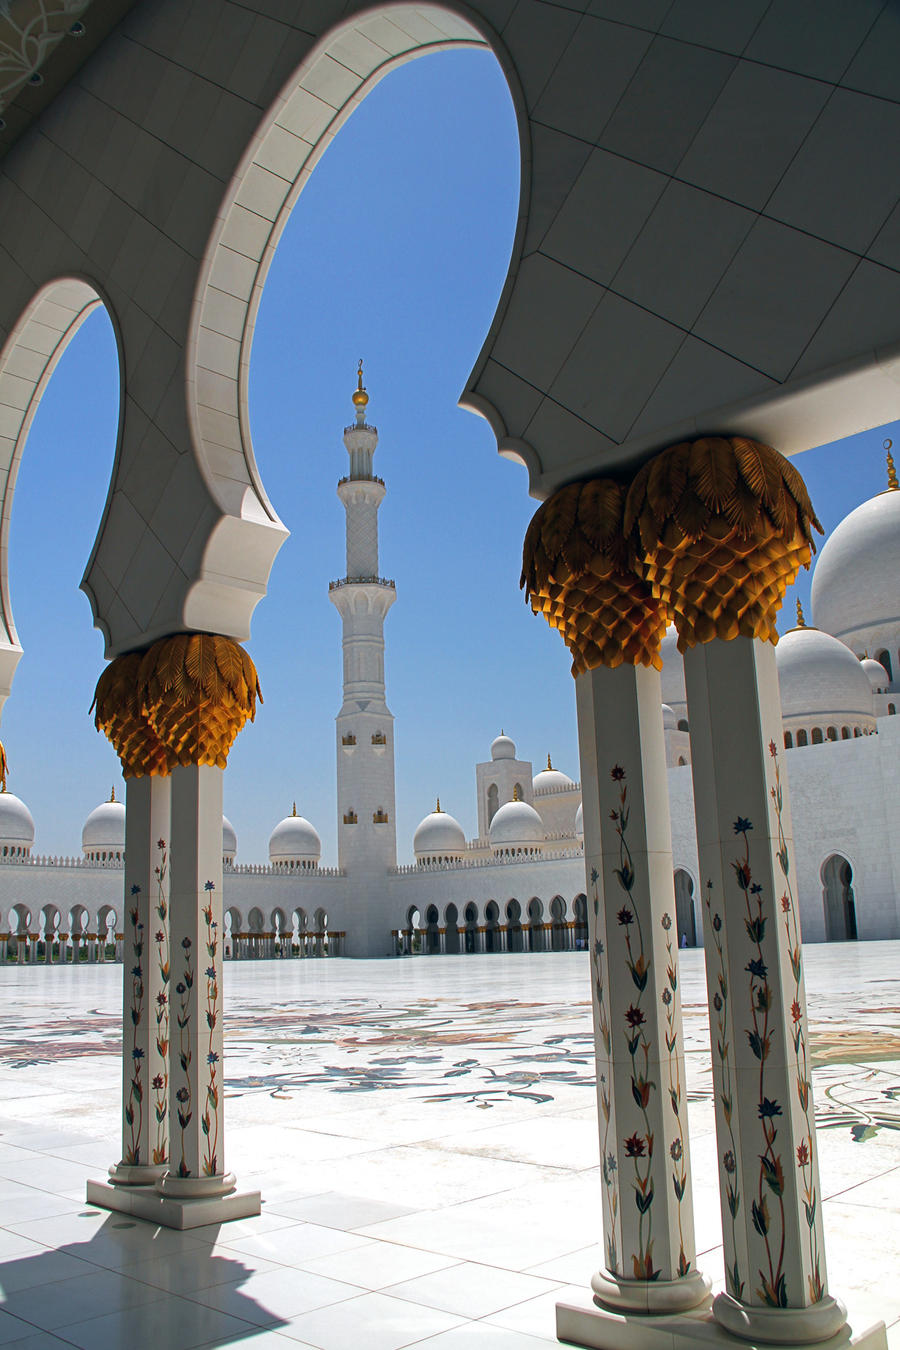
(137, 972)
(757, 968)
(768, 1109)
(742, 825)
(135, 890)
(211, 972)
(212, 1057)
(210, 886)
(755, 889)
(611, 1162)
(137, 1053)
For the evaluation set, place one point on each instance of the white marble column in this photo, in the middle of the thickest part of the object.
(146, 987)
(767, 1157)
(647, 1204)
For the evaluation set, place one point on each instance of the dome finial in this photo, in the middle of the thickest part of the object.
(549, 765)
(294, 810)
(516, 793)
(112, 793)
(801, 622)
(893, 484)
(360, 397)
(437, 809)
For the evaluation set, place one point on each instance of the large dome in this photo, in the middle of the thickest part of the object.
(821, 681)
(229, 840)
(855, 595)
(503, 747)
(295, 842)
(16, 825)
(516, 828)
(438, 838)
(552, 780)
(103, 835)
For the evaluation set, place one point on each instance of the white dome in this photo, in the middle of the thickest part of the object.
(579, 823)
(855, 595)
(670, 721)
(104, 829)
(16, 823)
(229, 839)
(878, 676)
(821, 678)
(295, 840)
(438, 836)
(516, 825)
(551, 779)
(503, 747)
(672, 673)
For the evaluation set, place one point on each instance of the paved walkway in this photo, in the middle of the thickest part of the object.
(424, 1135)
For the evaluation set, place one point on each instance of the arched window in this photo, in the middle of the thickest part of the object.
(579, 905)
(845, 733)
(817, 736)
(685, 919)
(892, 709)
(681, 761)
(451, 923)
(885, 658)
(856, 731)
(517, 792)
(831, 733)
(493, 801)
(788, 741)
(801, 738)
(683, 724)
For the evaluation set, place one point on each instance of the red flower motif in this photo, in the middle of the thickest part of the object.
(634, 1147)
(785, 903)
(618, 773)
(796, 1011)
(773, 749)
(802, 1154)
(634, 1017)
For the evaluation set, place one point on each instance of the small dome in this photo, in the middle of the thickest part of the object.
(516, 826)
(104, 829)
(854, 585)
(579, 823)
(229, 840)
(672, 673)
(878, 676)
(551, 779)
(295, 841)
(670, 721)
(439, 836)
(821, 678)
(503, 747)
(16, 824)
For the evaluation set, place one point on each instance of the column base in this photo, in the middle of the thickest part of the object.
(144, 1202)
(126, 1174)
(796, 1326)
(584, 1324)
(650, 1296)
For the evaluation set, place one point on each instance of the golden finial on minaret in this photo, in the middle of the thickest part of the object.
(4, 769)
(360, 397)
(294, 811)
(549, 765)
(801, 622)
(516, 793)
(893, 484)
(112, 793)
(437, 809)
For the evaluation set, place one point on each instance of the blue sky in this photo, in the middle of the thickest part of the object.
(396, 252)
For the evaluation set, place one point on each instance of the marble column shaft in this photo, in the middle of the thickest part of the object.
(647, 1204)
(768, 1163)
(146, 989)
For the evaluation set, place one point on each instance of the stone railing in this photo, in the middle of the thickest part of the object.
(282, 870)
(362, 581)
(466, 864)
(46, 860)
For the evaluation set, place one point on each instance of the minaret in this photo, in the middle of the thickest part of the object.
(365, 727)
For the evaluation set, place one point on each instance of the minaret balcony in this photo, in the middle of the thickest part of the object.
(367, 478)
(386, 582)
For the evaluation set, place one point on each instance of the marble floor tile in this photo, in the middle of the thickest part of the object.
(171, 1322)
(346, 1212)
(275, 1295)
(471, 1290)
(374, 1321)
(288, 1246)
(480, 1336)
(76, 1298)
(375, 1265)
(536, 1316)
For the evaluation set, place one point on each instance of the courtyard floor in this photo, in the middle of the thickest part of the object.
(424, 1136)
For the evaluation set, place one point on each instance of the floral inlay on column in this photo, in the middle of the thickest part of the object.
(134, 1106)
(185, 1056)
(722, 1050)
(161, 1080)
(676, 1147)
(210, 1118)
(608, 1157)
(805, 1150)
(637, 1146)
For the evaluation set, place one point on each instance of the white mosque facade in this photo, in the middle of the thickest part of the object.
(519, 885)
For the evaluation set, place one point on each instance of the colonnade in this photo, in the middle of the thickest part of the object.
(707, 535)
